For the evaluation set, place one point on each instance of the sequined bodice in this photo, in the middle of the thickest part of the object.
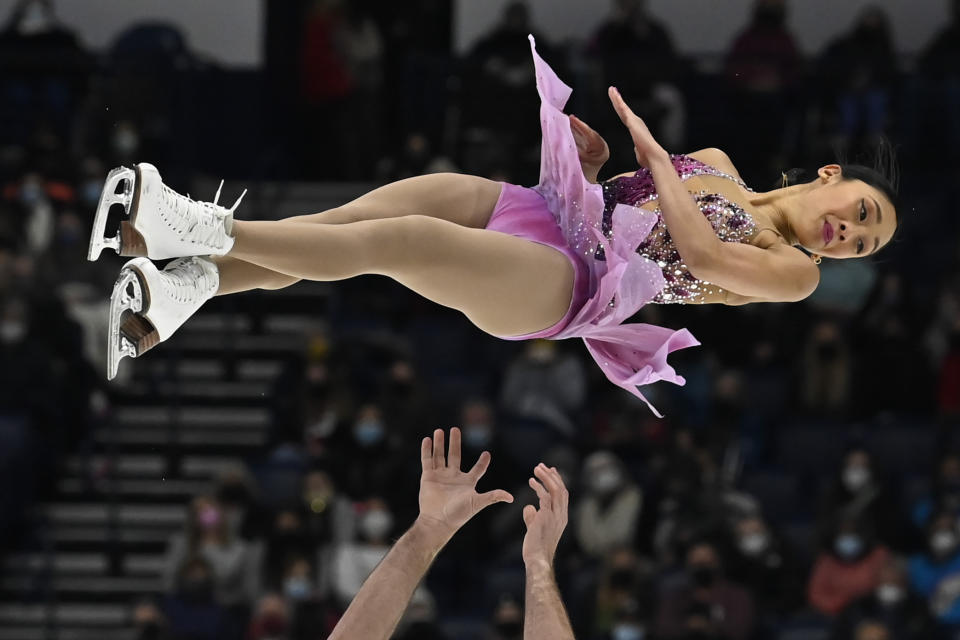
(730, 222)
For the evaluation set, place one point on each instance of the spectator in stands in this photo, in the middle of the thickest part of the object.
(149, 622)
(271, 619)
(763, 67)
(236, 493)
(905, 613)
(872, 630)
(859, 70)
(310, 613)
(702, 589)
(945, 496)
(368, 463)
(507, 620)
(352, 562)
(624, 595)
(328, 516)
(847, 569)
(859, 493)
(286, 539)
(935, 573)
(191, 609)
(637, 56)
(546, 385)
(233, 564)
(827, 371)
(607, 515)
(763, 563)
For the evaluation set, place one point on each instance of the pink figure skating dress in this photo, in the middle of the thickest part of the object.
(623, 256)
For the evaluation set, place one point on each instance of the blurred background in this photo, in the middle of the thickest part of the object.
(242, 479)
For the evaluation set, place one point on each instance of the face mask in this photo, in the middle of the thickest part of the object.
(606, 480)
(704, 576)
(376, 524)
(297, 588)
(368, 432)
(627, 631)
(848, 546)
(943, 542)
(12, 331)
(125, 141)
(477, 435)
(318, 501)
(753, 544)
(890, 594)
(855, 478)
(511, 629)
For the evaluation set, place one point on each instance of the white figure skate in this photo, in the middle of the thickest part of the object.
(162, 223)
(148, 305)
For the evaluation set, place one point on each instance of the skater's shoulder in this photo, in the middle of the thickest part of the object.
(718, 159)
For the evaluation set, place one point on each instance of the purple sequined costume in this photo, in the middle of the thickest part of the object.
(622, 255)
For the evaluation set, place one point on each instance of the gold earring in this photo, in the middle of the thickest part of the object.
(817, 259)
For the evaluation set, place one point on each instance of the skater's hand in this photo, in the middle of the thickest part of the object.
(546, 524)
(448, 496)
(644, 145)
(591, 147)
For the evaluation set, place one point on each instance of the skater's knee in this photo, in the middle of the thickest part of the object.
(279, 281)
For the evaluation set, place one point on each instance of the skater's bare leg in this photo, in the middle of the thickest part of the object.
(465, 200)
(505, 285)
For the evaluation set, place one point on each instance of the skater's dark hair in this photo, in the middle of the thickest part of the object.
(880, 170)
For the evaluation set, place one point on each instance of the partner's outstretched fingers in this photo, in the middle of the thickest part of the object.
(426, 454)
(453, 455)
(542, 493)
(480, 467)
(439, 456)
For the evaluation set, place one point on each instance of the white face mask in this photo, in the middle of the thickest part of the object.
(606, 480)
(890, 594)
(943, 542)
(627, 631)
(12, 331)
(855, 478)
(753, 544)
(376, 524)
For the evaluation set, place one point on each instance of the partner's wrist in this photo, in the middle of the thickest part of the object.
(539, 565)
(658, 158)
(430, 532)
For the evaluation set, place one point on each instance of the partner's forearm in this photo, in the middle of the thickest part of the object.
(692, 234)
(380, 603)
(545, 617)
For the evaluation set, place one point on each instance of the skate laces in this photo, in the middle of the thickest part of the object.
(186, 281)
(201, 222)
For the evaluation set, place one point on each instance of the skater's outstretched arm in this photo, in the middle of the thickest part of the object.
(448, 499)
(778, 274)
(546, 617)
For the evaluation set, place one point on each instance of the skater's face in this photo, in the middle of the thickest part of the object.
(845, 218)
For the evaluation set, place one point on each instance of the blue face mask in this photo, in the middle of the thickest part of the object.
(477, 436)
(368, 432)
(627, 631)
(297, 588)
(848, 546)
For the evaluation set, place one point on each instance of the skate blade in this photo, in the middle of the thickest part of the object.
(131, 333)
(109, 197)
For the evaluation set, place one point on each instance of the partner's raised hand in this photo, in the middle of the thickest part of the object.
(546, 524)
(448, 496)
(645, 146)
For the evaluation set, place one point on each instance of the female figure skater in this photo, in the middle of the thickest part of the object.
(568, 258)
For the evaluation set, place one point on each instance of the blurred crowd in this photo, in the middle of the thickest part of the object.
(668, 539)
